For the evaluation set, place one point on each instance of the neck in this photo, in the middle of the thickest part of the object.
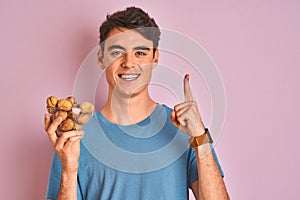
(127, 110)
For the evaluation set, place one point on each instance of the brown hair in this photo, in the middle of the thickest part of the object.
(131, 18)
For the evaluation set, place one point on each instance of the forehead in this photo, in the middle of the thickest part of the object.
(127, 39)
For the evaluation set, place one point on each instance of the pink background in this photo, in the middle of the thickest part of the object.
(255, 45)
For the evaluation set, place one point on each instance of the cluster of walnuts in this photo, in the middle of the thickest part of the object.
(74, 115)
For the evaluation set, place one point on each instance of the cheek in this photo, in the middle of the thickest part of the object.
(112, 61)
(108, 62)
(109, 73)
(147, 71)
(147, 68)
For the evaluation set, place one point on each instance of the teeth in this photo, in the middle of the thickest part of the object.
(129, 77)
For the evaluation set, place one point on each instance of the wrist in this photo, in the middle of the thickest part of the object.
(199, 132)
(70, 168)
(204, 138)
(68, 173)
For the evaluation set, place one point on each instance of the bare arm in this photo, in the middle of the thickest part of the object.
(67, 147)
(68, 186)
(186, 117)
(210, 184)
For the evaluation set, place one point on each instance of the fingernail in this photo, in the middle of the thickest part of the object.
(187, 76)
(59, 118)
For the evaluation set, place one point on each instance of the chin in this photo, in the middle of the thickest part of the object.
(129, 92)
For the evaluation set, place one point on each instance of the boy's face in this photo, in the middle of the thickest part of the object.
(129, 60)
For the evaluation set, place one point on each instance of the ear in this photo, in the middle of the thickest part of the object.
(155, 58)
(100, 59)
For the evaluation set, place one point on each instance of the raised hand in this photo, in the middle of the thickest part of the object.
(67, 146)
(186, 116)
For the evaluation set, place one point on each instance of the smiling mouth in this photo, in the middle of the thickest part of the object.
(128, 77)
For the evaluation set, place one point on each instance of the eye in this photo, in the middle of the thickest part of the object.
(116, 53)
(140, 53)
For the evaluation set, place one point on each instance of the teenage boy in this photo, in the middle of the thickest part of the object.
(128, 53)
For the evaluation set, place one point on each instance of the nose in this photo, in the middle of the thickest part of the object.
(129, 60)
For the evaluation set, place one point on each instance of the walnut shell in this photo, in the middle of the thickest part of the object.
(66, 125)
(76, 105)
(52, 118)
(74, 113)
(61, 113)
(72, 100)
(83, 119)
(87, 107)
(70, 115)
(64, 105)
(78, 126)
(51, 110)
(51, 101)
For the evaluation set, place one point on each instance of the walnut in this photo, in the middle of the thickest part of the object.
(64, 105)
(87, 107)
(72, 100)
(74, 115)
(52, 118)
(78, 126)
(51, 102)
(70, 115)
(66, 125)
(62, 114)
(82, 119)
(51, 110)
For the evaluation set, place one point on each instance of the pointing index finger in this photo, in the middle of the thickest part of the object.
(187, 90)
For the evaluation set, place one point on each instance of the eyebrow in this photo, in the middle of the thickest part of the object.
(112, 47)
(142, 48)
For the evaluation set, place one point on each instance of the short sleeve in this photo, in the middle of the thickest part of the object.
(192, 166)
(55, 178)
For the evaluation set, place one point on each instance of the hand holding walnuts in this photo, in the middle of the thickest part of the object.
(74, 115)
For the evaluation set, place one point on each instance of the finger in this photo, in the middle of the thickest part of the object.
(173, 116)
(183, 104)
(178, 121)
(187, 90)
(81, 133)
(174, 120)
(182, 111)
(65, 137)
(182, 120)
(69, 134)
(181, 115)
(52, 128)
(46, 121)
(72, 141)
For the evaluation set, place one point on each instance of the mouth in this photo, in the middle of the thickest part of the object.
(128, 76)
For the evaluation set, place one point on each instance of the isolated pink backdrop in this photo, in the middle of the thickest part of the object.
(255, 45)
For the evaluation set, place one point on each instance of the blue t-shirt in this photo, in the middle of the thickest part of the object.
(149, 160)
